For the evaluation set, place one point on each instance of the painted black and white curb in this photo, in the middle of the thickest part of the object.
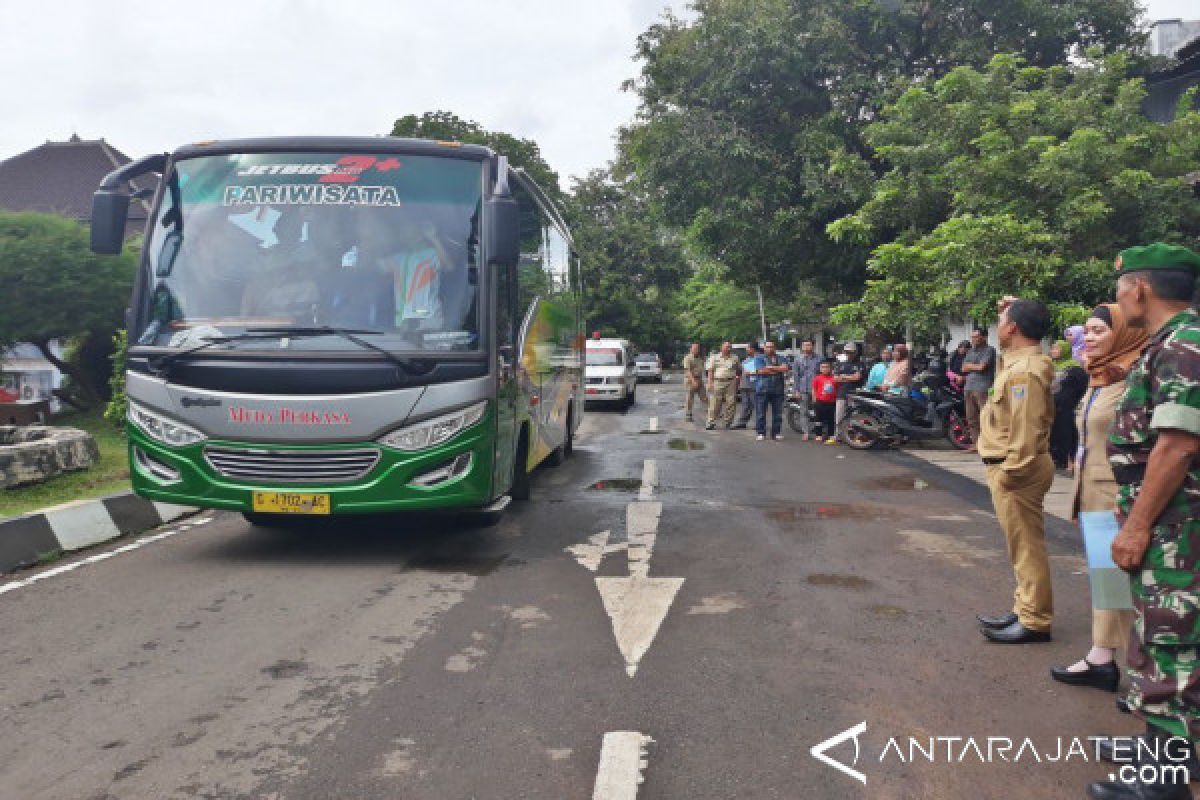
(35, 537)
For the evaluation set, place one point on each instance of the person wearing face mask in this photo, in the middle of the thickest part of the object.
(848, 375)
(1112, 346)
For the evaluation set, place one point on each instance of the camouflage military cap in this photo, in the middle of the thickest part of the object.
(1158, 256)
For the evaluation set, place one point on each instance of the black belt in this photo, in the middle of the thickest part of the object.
(991, 462)
(1129, 473)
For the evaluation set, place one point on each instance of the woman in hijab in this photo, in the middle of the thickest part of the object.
(1070, 382)
(1112, 348)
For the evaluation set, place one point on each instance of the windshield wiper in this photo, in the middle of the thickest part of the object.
(349, 334)
(161, 366)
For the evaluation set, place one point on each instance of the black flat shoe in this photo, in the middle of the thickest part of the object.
(1015, 634)
(1098, 676)
(1111, 790)
(997, 622)
(1123, 706)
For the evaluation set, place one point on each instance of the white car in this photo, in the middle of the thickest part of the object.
(610, 373)
(648, 367)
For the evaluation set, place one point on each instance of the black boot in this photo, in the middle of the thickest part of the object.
(1153, 748)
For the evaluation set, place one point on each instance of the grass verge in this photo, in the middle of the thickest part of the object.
(108, 475)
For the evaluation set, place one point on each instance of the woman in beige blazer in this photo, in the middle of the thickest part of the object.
(1111, 348)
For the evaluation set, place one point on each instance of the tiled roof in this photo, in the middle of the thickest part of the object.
(59, 178)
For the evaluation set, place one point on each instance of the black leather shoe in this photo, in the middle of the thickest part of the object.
(1099, 676)
(1123, 706)
(1112, 790)
(1015, 634)
(997, 622)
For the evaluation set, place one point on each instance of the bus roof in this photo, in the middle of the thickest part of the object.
(359, 144)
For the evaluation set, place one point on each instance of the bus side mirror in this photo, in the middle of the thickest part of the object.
(503, 239)
(110, 208)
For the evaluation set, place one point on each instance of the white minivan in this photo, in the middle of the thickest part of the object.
(610, 373)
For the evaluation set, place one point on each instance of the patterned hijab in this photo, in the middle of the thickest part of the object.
(1127, 347)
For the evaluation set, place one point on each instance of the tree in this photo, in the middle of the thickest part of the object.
(632, 264)
(55, 288)
(1017, 179)
(750, 127)
(448, 127)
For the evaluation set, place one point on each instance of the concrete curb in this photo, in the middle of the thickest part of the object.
(32, 537)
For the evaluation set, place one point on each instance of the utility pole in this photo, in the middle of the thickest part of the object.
(762, 313)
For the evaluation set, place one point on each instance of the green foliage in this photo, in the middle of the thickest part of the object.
(1017, 179)
(752, 115)
(632, 265)
(118, 403)
(444, 126)
(56, 288)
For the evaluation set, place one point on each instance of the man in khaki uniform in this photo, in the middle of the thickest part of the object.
(722, 386)
(1014, 442)
(693, 378)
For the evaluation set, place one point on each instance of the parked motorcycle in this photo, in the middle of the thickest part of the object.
(935, 410)
(797, 411)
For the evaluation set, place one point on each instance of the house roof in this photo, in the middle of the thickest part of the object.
(59, 178)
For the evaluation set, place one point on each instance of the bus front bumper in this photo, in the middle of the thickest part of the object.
(398, 481)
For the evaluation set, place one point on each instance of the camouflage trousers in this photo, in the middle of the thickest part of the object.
(1164, 650)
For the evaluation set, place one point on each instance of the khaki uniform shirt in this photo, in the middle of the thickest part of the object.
(724, 368)
(694, 366)
(1015, 424)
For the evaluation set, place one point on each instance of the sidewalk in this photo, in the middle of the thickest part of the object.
(1058, 500)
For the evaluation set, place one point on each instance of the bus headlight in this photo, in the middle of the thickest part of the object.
(163, 429)
(432, 432)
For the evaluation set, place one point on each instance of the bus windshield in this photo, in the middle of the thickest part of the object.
(384, 245)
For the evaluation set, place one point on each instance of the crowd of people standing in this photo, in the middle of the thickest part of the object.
(1116, 403)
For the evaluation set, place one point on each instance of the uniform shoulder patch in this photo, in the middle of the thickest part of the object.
(1018, 392)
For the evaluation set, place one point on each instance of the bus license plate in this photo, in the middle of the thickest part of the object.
(291, 503)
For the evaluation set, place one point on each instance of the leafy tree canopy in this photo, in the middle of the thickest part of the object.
(632, 265)
(1017, 178)
(750, 130)
(445, 126)
(55, 287)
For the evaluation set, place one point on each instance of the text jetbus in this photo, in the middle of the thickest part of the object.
(346, 325)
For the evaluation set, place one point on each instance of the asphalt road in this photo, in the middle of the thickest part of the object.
(747, 602)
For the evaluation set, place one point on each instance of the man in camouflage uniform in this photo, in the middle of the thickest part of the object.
(1154, 449)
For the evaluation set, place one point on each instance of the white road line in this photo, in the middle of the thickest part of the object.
(641, 529)
(649, 479)
(622, 759)
(652, 425)
(12, 586)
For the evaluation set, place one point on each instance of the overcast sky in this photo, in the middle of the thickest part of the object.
(151, 76)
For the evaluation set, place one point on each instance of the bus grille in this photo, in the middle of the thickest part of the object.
(292, 466)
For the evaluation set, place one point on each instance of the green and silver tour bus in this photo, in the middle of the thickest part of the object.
(345, 326)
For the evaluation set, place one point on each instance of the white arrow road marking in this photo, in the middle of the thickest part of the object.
(641, 529)
(622, 759)
(637, 606)
(588, 555)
